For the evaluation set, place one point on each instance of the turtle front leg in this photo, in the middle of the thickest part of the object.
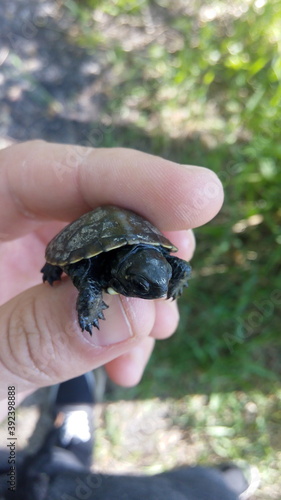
(51, 273)
(89, 303)
(181, 271)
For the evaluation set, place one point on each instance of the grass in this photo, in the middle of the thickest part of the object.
(228, 336)
(201, 84)
(203, 87)
(154, 435)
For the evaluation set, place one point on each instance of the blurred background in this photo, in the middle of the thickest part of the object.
(196, 82)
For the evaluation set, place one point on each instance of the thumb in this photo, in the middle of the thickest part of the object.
(41, 342)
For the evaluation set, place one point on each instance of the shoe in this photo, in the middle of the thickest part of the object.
(244, 480)
(72, 407)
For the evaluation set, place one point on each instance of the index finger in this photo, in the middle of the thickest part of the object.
(42, 181)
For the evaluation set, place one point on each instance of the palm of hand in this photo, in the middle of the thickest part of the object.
(21, 260)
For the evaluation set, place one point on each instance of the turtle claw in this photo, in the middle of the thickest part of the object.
(90, 306)
(96, 324)
(88, 328)
(84, 325)
(87, 325)
(181, 273)
(90, 311)
(99, 314)
(178, 292)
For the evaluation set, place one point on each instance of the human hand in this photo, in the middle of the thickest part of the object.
(44, 186)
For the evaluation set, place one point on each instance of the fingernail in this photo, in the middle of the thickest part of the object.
(125, 318)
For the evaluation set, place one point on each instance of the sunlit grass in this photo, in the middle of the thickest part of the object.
(201, 83)
(154, 435)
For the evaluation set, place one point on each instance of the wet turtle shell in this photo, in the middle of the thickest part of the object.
(102, 230)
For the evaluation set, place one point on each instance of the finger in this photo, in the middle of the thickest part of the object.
(42, 344)
(42, 181)
(184, 241)
(166, 319)
(127, 370)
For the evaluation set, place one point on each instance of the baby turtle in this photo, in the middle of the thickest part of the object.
(114, 250)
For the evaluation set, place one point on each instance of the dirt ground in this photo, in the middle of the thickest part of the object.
(49, 88)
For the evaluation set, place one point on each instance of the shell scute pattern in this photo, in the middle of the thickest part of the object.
(99, 231)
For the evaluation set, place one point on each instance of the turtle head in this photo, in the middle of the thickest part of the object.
(141, 271)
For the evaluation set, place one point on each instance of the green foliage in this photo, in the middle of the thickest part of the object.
(201, 84)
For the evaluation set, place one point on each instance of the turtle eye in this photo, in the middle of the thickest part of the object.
(141, 284)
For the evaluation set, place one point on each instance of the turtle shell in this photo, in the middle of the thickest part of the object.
(102, 230)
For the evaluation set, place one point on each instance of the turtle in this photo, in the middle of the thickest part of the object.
(114, 250)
